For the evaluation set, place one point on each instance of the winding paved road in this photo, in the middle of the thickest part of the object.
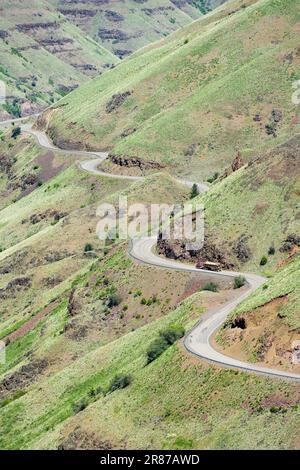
(198, 340)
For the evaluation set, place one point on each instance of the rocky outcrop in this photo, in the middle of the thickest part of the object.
(128, 132)
(241, 249)
(14, 286)
(78, 12)
(81, 440)
(271, 127)
(131, 162)
(25, 27)
(3, 34)
(49, 214)
(121, 53)
(23, 377)
(237, 162)
(113, 16)
(176, 249)
(289, 243)
(116, 101)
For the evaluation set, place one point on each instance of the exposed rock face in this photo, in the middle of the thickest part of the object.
(55, 256)
(128, 132)
(121, 53)
(116, 101)
(73, 304)
(114, 34)
(241, 250)
(25, 27)
(289, 243)
(238, 322)
(3, 34)
(271, 127)
(134, 162)
(81, 440)
(237, 162)
(14, 286)
(113, 16)
(51, 213)
(191, 150)
(176, 249)
(6, 164)
(78, 12)
(157, 10)
(23, 377)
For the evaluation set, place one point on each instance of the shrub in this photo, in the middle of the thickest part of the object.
(172, 334)
(194, 191)
(94, 392)
(80, 405)
(213, 178)
(88, 247)
(119, 382)
(113, 300)
(143, 301)
(166, 338)
(263, 261)
(211, 286)
(156, 348)
(16, 132)
(271, 250)
(13, 108)
(239, 282)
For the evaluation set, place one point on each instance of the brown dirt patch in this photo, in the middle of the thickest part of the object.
(28, 326)
(48, 167)
(266, 340)
(82, 440)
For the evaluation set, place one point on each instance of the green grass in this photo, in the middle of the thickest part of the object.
(204, 92)
(188, 402)
(285, 282)
(258, 203)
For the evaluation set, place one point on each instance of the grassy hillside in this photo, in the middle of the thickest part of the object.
(175, 402)
(50, 47)
(272, 322)
(182, 102)
(254, 212)
(123, 27)
(43, 56)
(82, 318)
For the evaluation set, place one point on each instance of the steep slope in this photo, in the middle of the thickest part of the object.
(125, 26)
(43, 56)
(182, 102)
(265, 329)
(174, 402)
(252, 213)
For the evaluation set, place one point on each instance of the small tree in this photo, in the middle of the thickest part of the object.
(239, 282)
(88, 247)
(272, 250)
(80, 406)
(119, 382)
(166, 338)
(113, 300)
(211, 286)
(263, 261)
(172, 334)
(156, 348)
(194, 191)
(16, 132)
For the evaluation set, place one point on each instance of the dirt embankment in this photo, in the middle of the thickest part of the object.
(176, 249)
(261, 337)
